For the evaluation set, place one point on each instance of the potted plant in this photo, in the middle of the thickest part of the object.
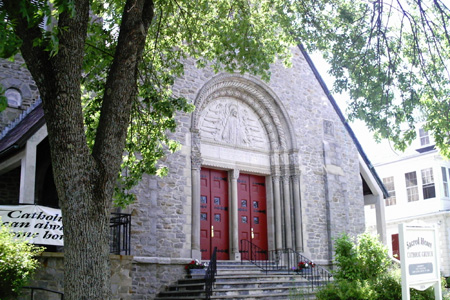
(304, 267)
(195, 268)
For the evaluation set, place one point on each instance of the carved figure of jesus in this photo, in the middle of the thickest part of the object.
(234, 131)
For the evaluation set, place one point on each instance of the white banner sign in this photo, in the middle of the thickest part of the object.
(38, 224)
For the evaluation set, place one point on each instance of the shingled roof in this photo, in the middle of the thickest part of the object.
(16, 137)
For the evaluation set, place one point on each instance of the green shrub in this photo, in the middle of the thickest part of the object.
(388, 286)
(17, 263)
(365, 272)
(346, 290)
(365, 259)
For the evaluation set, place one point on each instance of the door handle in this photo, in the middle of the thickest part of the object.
(212, 231)
(253, 235)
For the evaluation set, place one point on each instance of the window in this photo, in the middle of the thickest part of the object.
(389, 184)
(14, 97)
(412, 190)
(445, 181)
(428, 184)
(424, 137)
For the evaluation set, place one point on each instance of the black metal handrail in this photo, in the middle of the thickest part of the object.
(254, 254)
(120, 231)
(210, 276)
(33, 288)
(285, 260)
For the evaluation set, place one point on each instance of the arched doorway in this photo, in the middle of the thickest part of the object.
(240, 127)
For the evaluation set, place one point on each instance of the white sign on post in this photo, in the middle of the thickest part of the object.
(38, 224)
(419, 259)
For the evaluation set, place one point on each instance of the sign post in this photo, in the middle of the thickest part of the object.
(419, 259)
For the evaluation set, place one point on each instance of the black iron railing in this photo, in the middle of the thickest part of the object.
(33, 288)
(285, 260)
(210, 276)
(254, 254)
(120, 228)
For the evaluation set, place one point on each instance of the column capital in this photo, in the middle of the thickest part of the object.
(235, 174)
(196, 161)
(285, 178)
(295, 178)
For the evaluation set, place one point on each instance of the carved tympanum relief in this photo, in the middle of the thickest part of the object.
(232, 122)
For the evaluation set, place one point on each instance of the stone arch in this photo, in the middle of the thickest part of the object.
(256, 95)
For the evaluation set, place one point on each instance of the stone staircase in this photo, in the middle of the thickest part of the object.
(242, 281)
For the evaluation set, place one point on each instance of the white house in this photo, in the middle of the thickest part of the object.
(418, 183)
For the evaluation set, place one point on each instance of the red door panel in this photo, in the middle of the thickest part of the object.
(244, 211)
(214, 221)
(259, 211)
(395, 246)
(252, 211)
(205, 214)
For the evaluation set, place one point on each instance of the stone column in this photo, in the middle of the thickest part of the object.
(287, 211)
(277, 201)
(297, 214)
(196, 165)
(234, 216)
(195, 233)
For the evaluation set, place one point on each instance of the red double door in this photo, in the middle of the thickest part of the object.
(252, 216)
(214, 212)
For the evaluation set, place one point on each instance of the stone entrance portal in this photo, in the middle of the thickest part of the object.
(241, 127)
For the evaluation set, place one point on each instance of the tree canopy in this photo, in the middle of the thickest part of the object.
(393, 59)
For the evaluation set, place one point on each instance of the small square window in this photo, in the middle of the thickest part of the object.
(255, 220)
(255, 204)
(244, 219)
(243, 203)
(203, 199)
(217, 217)
(204, 217)
(216, 201)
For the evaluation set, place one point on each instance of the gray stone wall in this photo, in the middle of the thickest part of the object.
(152, 275)
(161, 215)
(10, 187)
(51, 276)
(13, 74)
(308, 108)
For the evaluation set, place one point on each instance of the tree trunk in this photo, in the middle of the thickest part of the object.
(84, 181)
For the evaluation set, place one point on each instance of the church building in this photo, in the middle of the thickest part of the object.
(271, 163)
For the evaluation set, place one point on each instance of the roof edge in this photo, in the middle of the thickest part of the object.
(343, 120)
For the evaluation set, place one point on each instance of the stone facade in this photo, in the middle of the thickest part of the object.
(285, 130)
(14, 75)
(296, 135)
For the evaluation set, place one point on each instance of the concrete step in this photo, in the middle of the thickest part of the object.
(260, 284)
(236, 280)
(259, 277)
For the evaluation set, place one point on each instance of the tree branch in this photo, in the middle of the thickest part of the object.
(121, 88)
